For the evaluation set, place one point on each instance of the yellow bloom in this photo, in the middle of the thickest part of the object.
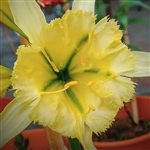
(73, 77)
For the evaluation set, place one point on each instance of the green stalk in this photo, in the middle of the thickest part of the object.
(74, 143)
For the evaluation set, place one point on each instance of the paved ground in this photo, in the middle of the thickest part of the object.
(139, 36)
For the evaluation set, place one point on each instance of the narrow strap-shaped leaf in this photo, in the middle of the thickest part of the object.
(140, 3)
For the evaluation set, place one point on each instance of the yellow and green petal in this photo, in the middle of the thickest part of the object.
(32, 71)
(33, 18)
(116, 57)
(55, 111)
(5, 80)
(61, 39)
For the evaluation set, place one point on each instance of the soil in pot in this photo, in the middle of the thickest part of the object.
(123, 129)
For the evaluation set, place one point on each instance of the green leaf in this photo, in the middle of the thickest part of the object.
(7, 18)
(124, 6)
(74, 143)
(123, 20)
(139, 3)
(132, 47)
(148, 124)
(21, 143)
(100, 9)
(26, 143)
(137, 20)
(19, 139)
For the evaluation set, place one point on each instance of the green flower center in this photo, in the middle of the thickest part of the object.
(62, 75)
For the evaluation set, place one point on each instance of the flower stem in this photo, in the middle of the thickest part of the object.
(129, 115)
(135, 110)
(74, 143)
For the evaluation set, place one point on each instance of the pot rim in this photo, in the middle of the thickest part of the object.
(124, 142)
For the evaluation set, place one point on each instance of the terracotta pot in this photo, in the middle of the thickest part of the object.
(138, 143)
(38, 141)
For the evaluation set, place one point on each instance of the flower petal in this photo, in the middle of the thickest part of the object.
(14, 118)
(106, 105)
(106, 32)
(86, 139)
(57, 106)
(26, 74)
(102, 100)
(52, 110)
(5, 82)
(85, 5)
(142, 65)
(118, 57)
(28, 17)
(70, 41)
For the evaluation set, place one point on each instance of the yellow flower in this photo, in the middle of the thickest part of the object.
(73, 77)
